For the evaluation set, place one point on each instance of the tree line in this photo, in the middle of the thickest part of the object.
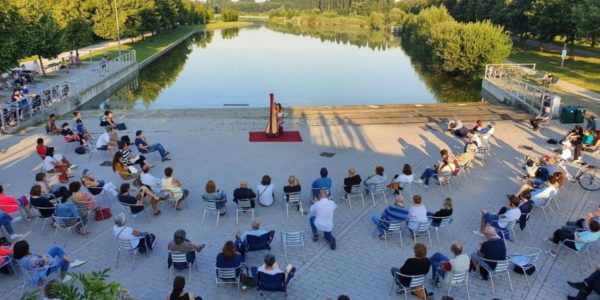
(46, 28)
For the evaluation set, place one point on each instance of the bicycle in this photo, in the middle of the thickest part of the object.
(587, 175)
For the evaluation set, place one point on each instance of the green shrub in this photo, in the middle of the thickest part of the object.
(229, 15)
(377, 21)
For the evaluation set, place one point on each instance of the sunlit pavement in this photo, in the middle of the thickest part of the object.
(217, 148)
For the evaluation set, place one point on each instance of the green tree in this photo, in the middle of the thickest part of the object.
(556, 18)
(229, 15)
(78, 33)
(11, 25)
(47, 39)
(377, 21)
(518, 14)
(588, 25)
(396, 16)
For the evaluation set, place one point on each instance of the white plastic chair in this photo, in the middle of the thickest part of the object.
(125, 245)
(379, 189)
(228, 276)
(292, 239)
(458, 279)
(417, 282)
(179, 257)
(424, 228)
(243, 205)
(392, 227)
(444, 222)
(355, 191)
(502, 268)
(211, 206)
(292, 200)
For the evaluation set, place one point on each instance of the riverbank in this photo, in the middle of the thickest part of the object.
(324, 20)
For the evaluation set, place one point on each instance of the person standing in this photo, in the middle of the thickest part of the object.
(322, 218)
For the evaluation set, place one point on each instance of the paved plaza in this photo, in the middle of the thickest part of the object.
(215, 146)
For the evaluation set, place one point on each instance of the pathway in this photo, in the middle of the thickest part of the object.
(558, 48)
(215, 146)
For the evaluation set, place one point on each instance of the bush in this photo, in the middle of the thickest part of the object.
(396, 16)
(229, 15)
(377, 21)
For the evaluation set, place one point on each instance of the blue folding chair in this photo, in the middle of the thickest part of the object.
(272, 283)
(257, 243)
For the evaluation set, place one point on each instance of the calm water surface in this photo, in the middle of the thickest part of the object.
(301, 66)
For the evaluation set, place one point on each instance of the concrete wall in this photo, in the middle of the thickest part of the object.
(493, 93)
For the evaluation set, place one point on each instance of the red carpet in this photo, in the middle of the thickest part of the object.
(286, 136)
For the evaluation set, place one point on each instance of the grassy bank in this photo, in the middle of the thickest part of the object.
(154, 44)
(583, 71)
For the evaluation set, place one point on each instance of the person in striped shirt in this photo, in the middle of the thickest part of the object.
(394, 213)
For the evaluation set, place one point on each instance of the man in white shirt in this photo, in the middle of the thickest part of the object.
(501, 220)
(155, 184)
(104, 139)
(541, 196)
(322, 218)
(439, 264)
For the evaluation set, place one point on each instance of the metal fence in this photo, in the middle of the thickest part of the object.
(37, 103)
(500, 71)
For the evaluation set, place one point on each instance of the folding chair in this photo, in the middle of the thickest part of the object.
(30, 276)
(40, 215)
(379, 189)
(584, 249)
(502, 267)
(422, 229)
(292, 239)
(125, 245)
(417, 282)
(355, 191)
(443, 179)
(180, 257)
(292, 199)
(505, 232)
(459, 279)
(392, 226)
(66, 223)
(526, 261)
(126, 209)
(407, 186)
(211, 206)
(243, 205)
(444, 222)
(272, 283)
(546, 205)
(171, 199)
(257, 243)
(228, 276)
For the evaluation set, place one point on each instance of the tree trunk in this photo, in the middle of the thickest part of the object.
(76, 52)
(42, 65)
(572, 47)
(593, 42)
(541, 46)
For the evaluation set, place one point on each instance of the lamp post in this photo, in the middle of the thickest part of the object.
(118, 33)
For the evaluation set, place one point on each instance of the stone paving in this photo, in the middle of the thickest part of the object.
(217, 148)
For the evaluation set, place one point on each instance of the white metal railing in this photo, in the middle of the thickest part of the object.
(509, 70)
(15, 114)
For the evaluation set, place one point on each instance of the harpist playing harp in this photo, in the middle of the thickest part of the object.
(275, 124)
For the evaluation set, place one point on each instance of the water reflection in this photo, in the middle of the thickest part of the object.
(230, 33)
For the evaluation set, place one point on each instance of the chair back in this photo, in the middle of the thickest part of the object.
(244, 204)
(424, 227)
(295, 238)
(125, 244)
(317, 190)
(272, 283)
(31, 275)
(66, 222)
(405, 185)
(41, 211)
(126, 207)
(293, 198)
(227, 273)
(356, 189)
(178, 257)
(458, 278)
(262, 242)
(444, 221)
(501, 265)
(415, 280)
(392, 226)
(379, 188)
(210, 205)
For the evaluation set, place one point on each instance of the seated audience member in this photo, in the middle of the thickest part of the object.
(5, 220)
(322, 218)
(40, 149)
(97, 186)
(107, 119)
(136, 203)
(587, 286)
(457, 128)
(441, 264)
(272, 268)
(104, 141)
(173, 185)
(265, 191)
(595, 145)
(214, 195)
(69, 135)
(151, 182)
(586, 141)
(243, 192)
(55, 259)
(85, 201)
(66, 208)
(585, 221)
(352, 180)
(444, 212)
(500, 220)
(393, 213)
(417, 214)
(51, 125)
(181, 244)
(82, 130)
(565, 153)
(406, 177)
(464, 158)
(240, 238)
(42, 201)
(127, 159)
(124, 171)
(142, 144)
(580, 238)
(473, 138)
(591, 122)
(525, 208)
(292, 187)
(138, 239)
(493, 248)
(229, 258)
(55, 163)
(377, 178)
(545, 116)
(12, 205)
(178, 292)
(448, 166)
(323, 182)
(418, 265)
(53, 191)
(540, 192)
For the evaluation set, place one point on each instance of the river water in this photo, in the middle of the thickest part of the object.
(301, 66)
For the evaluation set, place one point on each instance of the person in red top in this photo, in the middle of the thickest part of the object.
(40, 148)
(5, 251)
(11, 205)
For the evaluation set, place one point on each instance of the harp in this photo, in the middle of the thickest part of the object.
(272, 129)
